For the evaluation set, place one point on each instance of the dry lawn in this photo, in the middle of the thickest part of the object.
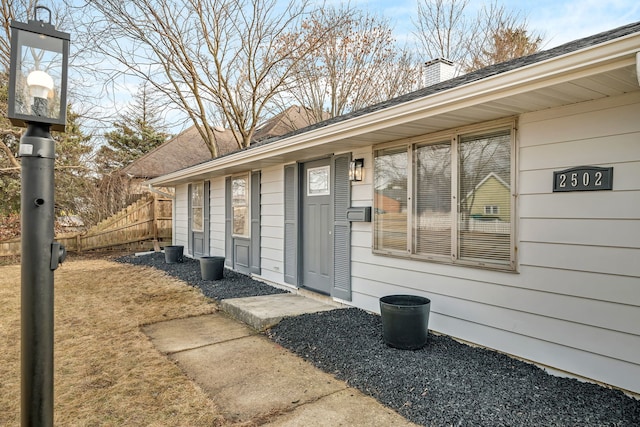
(107, 373)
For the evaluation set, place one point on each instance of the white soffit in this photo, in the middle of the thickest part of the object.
(599, 71)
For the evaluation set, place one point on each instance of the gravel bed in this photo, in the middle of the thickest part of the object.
(448, 383)
(444, 384)
(232, 285)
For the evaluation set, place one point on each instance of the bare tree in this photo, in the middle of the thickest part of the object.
(356, 65)
(445, 29)
(220, 61)
(72, 146)
(9, 135)
(505, 36)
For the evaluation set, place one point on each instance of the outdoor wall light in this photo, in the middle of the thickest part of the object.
(38, 74)
(356, 170)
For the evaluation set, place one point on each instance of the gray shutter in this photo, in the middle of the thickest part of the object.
(341, 228)
(206, 247)
(189, 221)
(254, 204)
(228, 236)
(291, 224)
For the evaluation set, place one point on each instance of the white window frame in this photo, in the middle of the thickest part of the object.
(454, 136)
(194, 188)
(492, 210)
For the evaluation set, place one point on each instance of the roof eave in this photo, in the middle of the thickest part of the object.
(600, 58)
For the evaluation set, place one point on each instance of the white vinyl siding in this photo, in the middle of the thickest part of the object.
(272, 224)
(583, 242)
(181, 217)
(217, 217)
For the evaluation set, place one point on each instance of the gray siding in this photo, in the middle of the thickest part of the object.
(575, 303)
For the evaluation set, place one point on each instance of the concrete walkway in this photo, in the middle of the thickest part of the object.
(253, 380)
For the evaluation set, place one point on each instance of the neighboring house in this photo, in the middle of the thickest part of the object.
(489, 200)
(557, 284)
(188, 148)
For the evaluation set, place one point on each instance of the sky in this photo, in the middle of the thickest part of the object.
(559, 21)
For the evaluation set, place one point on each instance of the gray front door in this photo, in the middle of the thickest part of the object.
(316, 226)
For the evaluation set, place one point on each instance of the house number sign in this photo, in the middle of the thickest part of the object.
(583, 178)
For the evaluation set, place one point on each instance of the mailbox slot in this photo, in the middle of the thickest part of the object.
(359, 214)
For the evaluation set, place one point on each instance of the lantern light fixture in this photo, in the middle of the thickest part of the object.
(38, 101)
(356, 170)
(38, 73)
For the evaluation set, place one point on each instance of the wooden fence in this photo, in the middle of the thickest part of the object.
(137, 227)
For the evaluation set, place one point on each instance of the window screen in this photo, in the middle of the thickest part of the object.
(390, 213)
(484, 177)
(432, 218)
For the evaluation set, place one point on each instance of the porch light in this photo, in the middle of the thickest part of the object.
(38, 73)
(356, 170)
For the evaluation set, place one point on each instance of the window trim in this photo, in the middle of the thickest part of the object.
(247, 177)
(453, 135)
(195, 185)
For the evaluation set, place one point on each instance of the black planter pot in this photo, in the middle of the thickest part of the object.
(212, 267)
(405, 321)
(173, 254)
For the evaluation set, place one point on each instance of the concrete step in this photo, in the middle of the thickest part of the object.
(263, 312)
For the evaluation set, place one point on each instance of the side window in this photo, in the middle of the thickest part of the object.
(484, 182)
(197, 206)
(390, 213)
(240, 204)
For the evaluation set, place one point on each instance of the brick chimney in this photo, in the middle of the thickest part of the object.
(438, 70)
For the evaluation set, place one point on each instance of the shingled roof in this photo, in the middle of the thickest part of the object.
(480, 74)
(437, 107)
(188, 148)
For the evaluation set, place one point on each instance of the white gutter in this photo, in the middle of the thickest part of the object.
(160, 192)
(592, 60)
(638, 67)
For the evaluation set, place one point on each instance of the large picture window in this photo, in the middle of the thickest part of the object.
(240, 204)
(447, 199)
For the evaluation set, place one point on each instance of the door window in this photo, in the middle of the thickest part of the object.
(318, 180)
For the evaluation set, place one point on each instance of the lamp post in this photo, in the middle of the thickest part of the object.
(37, 101)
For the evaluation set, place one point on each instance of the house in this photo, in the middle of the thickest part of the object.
(557, 283)
(188, 148)
(490, 199)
